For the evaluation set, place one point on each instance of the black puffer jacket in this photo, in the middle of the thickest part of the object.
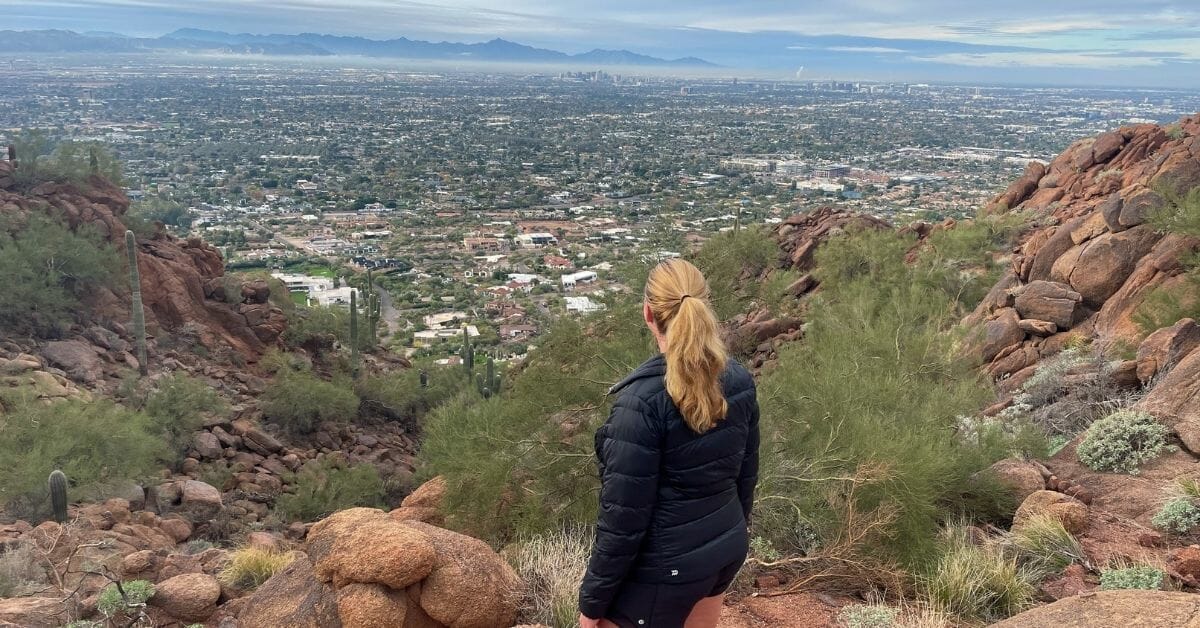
(673, 503)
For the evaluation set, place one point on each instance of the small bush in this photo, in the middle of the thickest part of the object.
(867, 616)
(552, 566)
(298, 401)
(1145, 577)
(96, 443)
(178, 404)
(1046, 545)
(978, 581)
(47, 269)
(399, 395)
(320, 324)
(250, 566)
(1122, 442)
(19, 570)
(112, 604)
(1180, 515)
(322, 489)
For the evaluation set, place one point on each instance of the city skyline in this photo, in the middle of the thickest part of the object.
(1070, 43)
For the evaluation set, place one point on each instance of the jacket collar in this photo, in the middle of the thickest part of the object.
(654, 367)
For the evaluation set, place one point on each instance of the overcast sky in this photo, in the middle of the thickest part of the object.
(1130, 42)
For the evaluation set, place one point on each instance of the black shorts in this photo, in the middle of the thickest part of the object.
(644, 605)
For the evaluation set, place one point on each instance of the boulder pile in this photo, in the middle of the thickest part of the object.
(1083, 275)
(365, 567)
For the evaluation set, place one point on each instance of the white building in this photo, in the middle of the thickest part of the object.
(582, 305)
(304, 283)
(333, 296)
(570, 280)
(535, 240)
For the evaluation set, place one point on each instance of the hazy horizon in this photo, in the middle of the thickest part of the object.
(1070, 43)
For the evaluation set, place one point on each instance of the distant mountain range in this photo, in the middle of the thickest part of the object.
(196, 40)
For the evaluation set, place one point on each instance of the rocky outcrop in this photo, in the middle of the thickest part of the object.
(1086, 272)
(1162, 609)
(365, 568)
(799, 236)
(176, 278)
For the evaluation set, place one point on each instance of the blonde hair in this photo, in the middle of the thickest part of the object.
(678, 298)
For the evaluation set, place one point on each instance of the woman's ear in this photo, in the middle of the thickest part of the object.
(648, 316)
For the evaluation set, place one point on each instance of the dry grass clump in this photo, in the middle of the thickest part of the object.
(251, 566)
(1046, 546)
(982, 582)
(19, 571)
(552, 566)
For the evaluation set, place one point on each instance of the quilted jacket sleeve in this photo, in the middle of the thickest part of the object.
(748, 478)
(629, 451)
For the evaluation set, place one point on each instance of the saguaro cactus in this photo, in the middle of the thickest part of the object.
(12, 155)
(488, 382)
(58, 495)
(139, 316)
(354, 332)
(468, 353)
(424, 378)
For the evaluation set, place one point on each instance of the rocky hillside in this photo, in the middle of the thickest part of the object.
(182, 281)
(179, 529)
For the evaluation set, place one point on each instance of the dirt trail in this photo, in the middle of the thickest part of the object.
(799, 610)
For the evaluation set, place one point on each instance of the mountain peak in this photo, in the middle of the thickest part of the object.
(319, 44)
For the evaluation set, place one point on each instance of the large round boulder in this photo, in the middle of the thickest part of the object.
(365, 545)
(189, 597)
(470, 585)
(294, 598)
(1070, 511)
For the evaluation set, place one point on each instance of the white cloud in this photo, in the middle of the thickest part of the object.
(1041, 60)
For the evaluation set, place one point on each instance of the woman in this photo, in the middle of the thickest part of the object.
(678, 464)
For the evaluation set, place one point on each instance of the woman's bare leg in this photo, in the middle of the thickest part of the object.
(706, 613)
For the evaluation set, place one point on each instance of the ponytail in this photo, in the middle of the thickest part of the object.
(678, 297)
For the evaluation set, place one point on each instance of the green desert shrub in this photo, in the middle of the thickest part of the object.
(1122, 442)
(47, 269)
(552, 566)
(95, 443)
(879, 357)
(317, 323)
(298, 401)
(522, 464)
(868, 616)
(977, 582)
(323, 488)
(178, 404)
(728, 259)
(399, 394)
(1179, 515)
(124, 600)
(1145, 577)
